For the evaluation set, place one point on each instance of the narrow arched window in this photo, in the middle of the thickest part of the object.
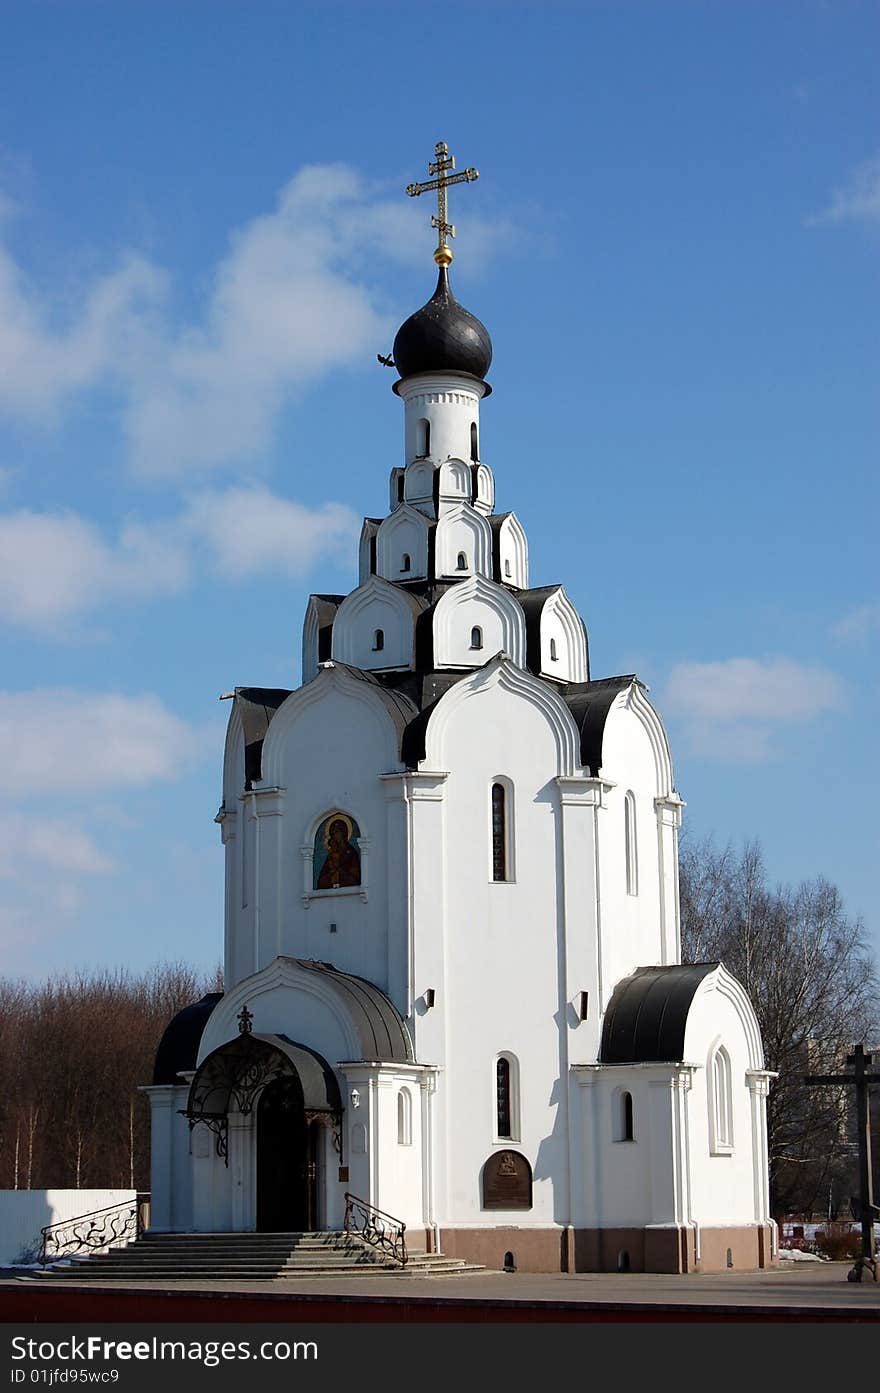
(461, 563)
(554, 656)
(423, 444)
(404, 1118)
(507, 570)
(625, 1122)
(503, 1098)
(631, 848)
(499, 832)
(720, 1101)
(378, 640)
(406, 562)
(475, 450)
(476, 637)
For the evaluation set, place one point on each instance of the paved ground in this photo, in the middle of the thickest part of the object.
(808, 1292)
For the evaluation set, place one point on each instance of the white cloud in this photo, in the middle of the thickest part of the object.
(860, 624)
(858, 199)
(735, 708)
(31, 843)
(251, 531)
(293, 299)
(58, 566)
(61, 741)
(43, 362)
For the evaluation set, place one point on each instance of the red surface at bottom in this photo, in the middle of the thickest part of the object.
(27, 1305)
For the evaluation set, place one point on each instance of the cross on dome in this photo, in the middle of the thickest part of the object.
(439, 168)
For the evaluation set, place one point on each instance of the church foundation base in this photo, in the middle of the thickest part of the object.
(747, 1248)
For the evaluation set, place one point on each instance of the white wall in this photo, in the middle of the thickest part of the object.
(631, 924)
(492, 952)
(332, 741)
(723, 1185)
(23, 1213)
(449, 402)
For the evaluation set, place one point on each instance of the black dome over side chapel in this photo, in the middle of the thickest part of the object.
(179, 1047)
(442, 337)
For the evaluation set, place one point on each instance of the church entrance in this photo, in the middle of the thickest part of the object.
(288, 1156)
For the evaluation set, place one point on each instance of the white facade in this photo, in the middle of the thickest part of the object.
(451, 813)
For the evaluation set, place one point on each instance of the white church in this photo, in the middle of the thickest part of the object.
(452, 951)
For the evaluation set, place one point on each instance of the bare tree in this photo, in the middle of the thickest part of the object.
(75, 1049)
(810, 974)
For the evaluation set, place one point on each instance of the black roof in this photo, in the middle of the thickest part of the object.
(647, 1015)
(442, 336)
(257, 706)
(179, 1046)
(589, 704)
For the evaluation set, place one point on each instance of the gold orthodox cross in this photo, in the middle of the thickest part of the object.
(440, 168)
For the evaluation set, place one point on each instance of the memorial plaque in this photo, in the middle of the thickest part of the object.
(507, 1181)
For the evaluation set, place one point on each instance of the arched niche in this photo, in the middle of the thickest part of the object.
(395, 488)
(507, 1181)
(484, 489)
(563, 640)
(454, 482)
(317, 639)
(462, 532)
(477, 604)
(377, 608)
(367, 549)
(403, 535)
(418, 486)
(510, 551)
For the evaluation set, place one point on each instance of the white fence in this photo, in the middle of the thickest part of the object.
(23, 1213)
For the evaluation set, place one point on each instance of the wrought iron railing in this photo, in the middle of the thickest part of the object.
(93, 1232)
(377, 1228)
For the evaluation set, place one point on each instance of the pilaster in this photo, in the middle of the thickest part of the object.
(669, 812)
(265, 808)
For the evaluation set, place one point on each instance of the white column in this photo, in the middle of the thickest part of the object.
(162, 1101)
(228, 822)
(587, 1148)
(668, 824)
(758, 1081)
(242, 1157)
(427, 1091)
(669, 1147)
(580, 801)
(398, 879)
(267, 809)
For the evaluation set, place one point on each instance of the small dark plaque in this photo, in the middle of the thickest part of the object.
(343, 1173)
(507, 1181)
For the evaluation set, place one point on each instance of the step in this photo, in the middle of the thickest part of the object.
(248, 1257)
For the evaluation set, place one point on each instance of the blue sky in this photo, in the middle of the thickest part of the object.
(204, 242)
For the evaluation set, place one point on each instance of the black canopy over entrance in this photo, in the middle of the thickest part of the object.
(234, 1076)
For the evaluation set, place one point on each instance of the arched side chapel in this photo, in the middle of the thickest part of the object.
(452, 953)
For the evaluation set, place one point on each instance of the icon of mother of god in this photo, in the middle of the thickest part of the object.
(342, 864)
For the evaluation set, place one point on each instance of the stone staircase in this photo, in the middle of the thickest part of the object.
(248, 1257)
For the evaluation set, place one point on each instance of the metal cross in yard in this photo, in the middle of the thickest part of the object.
(861, 1080)
(440, 168)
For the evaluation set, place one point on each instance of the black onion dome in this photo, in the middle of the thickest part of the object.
(179, 1046)
(442, 336)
